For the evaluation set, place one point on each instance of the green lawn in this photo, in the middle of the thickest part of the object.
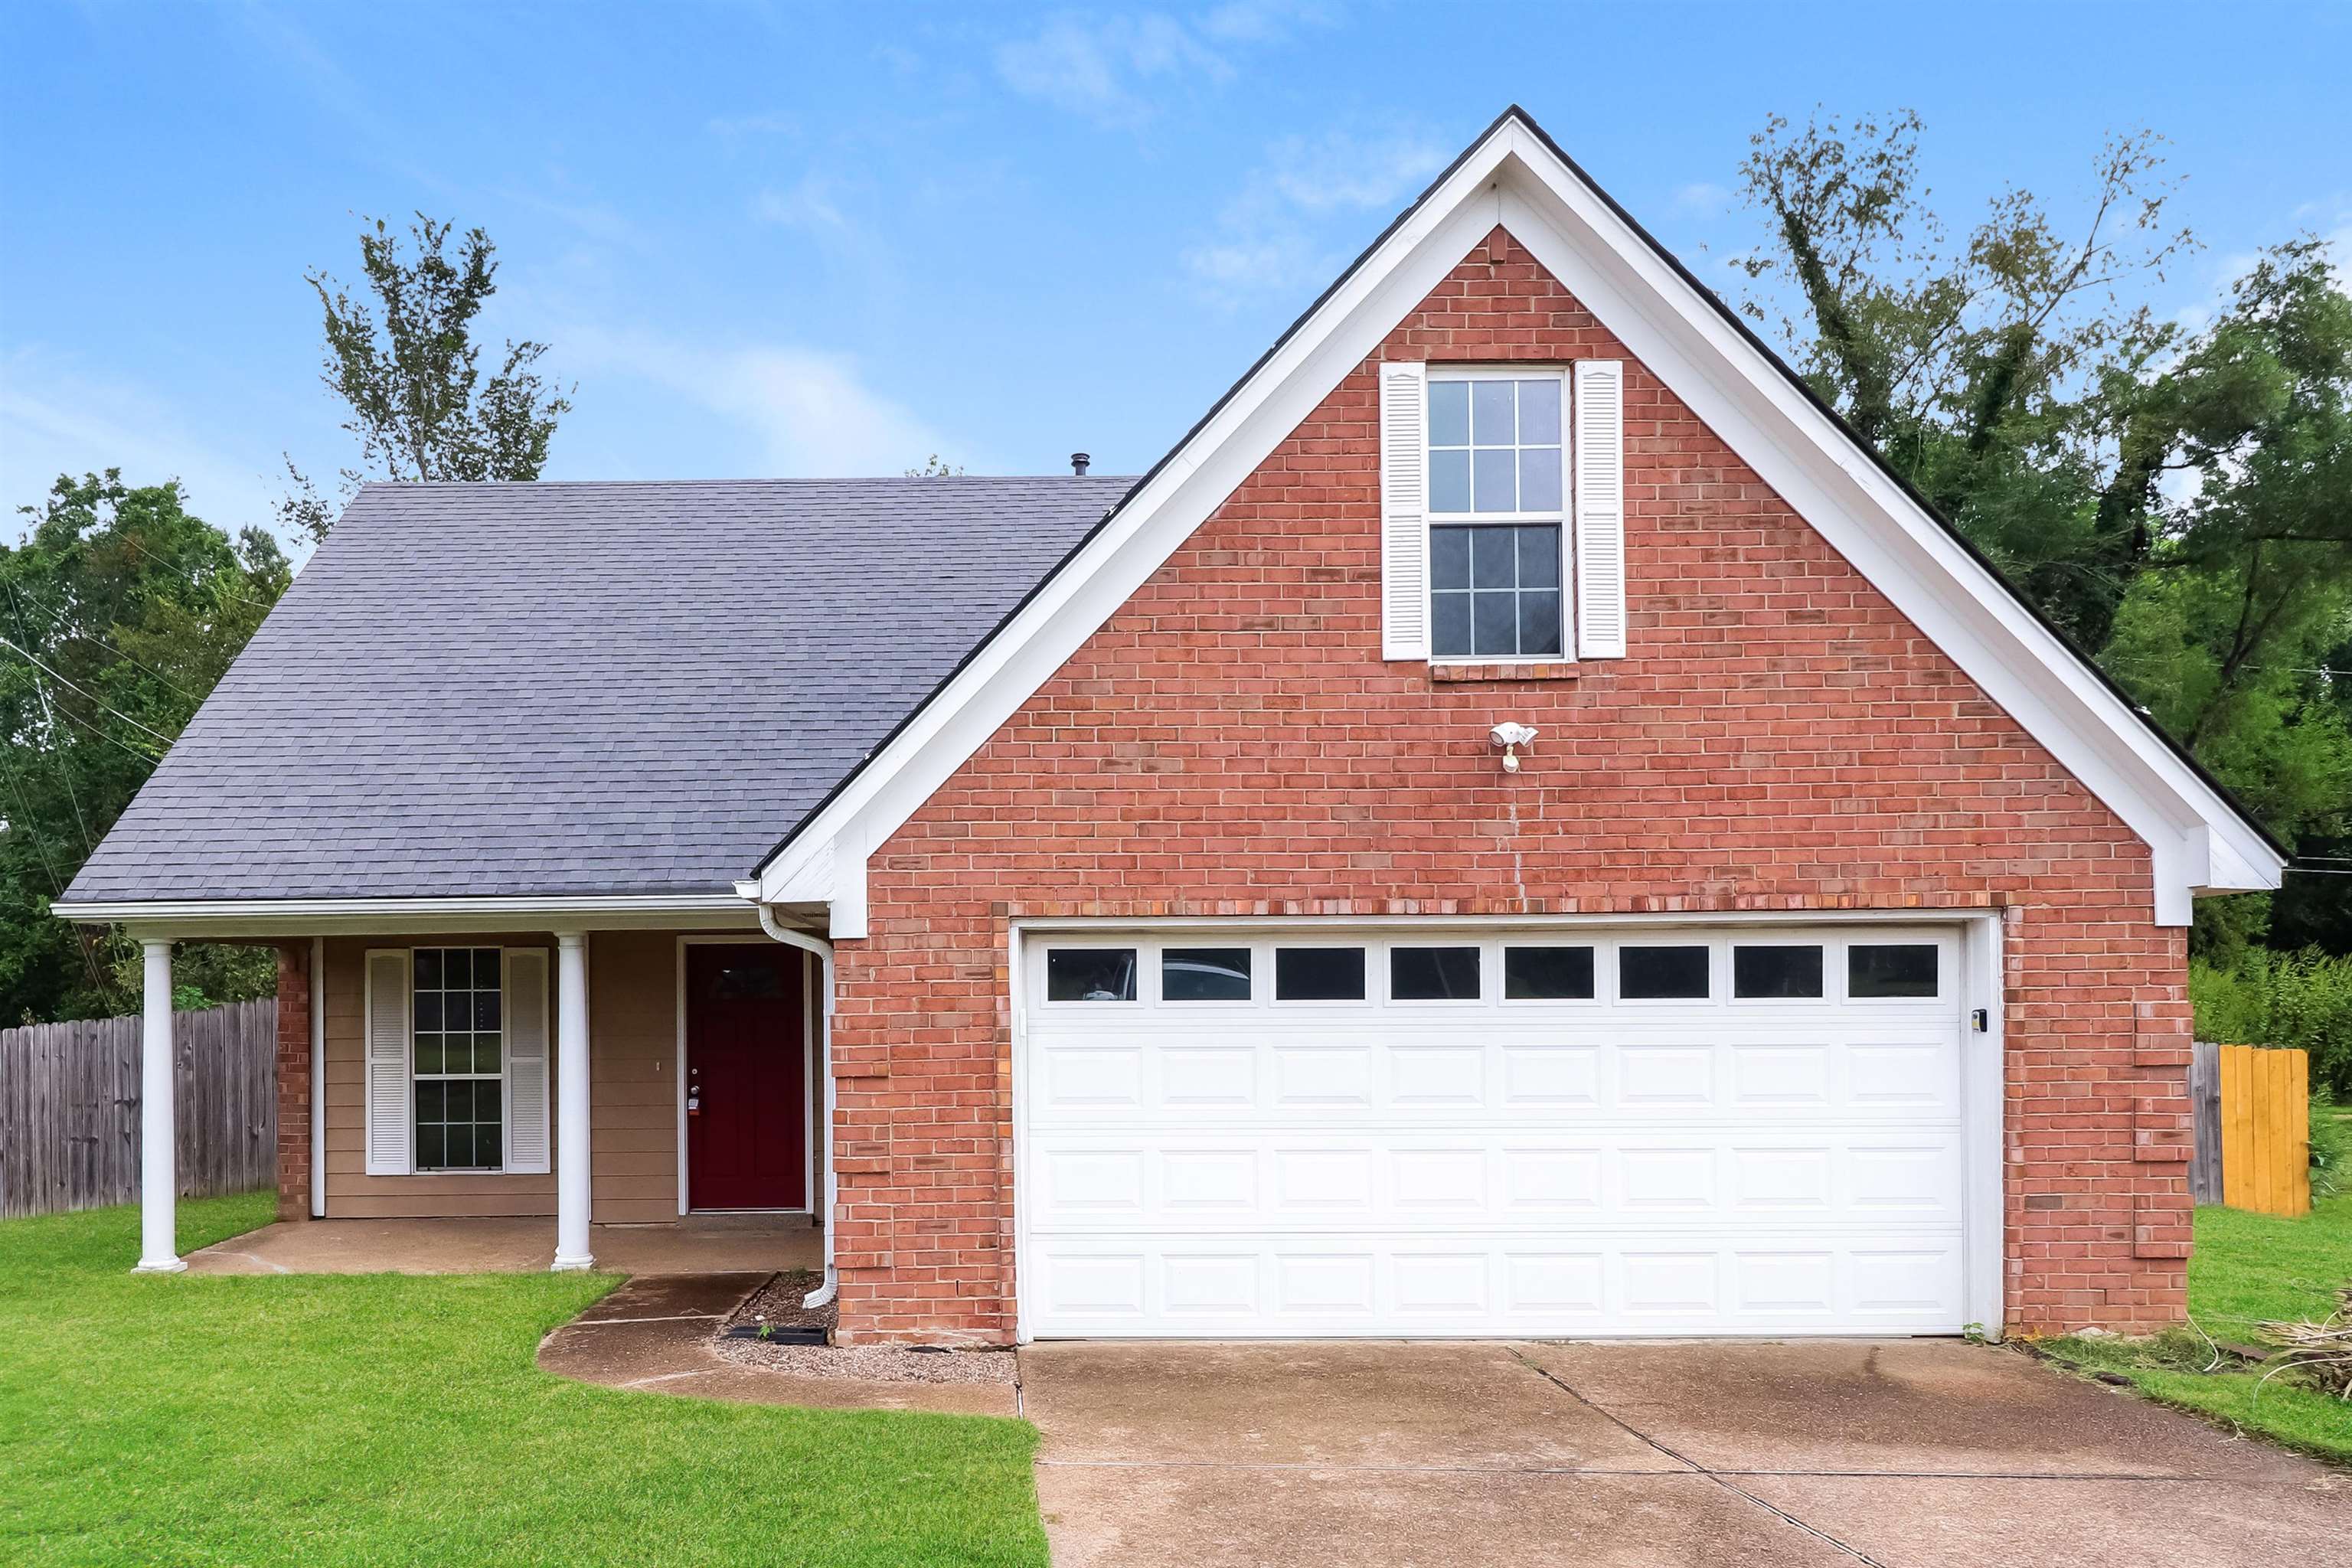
(2247, 1268)
(376, 1419)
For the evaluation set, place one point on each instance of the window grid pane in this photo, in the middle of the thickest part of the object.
(1495, 590)
(458, 1058)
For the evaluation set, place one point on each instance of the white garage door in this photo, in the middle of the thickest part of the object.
(1430, 1131)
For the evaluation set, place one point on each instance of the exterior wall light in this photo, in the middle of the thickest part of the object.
(1511, 737)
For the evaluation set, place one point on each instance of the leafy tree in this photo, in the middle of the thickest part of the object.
(934, 469)
(408, 369)
(2180, 502)
(118, 611)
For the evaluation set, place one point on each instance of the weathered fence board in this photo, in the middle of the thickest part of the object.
(2260, 1119)
(2205, 1100)
(69, 1107)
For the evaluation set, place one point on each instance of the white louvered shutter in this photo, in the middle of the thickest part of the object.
(1404, 531)
(1599, 508)
(527, 1050)
(389, 1128)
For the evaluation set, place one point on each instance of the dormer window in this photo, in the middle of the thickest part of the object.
(1496, 516)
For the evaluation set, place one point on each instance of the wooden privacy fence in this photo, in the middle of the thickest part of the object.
(2254, 1128)
(69, 1107)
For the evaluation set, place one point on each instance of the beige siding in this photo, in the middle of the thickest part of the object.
(632, 1076)
(633, 1059)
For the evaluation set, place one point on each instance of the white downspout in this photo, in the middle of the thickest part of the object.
(823, 1295)
(317, 1078)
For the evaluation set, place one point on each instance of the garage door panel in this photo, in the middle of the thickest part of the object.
(1239, 1286)
(1475, 1178)
(1903, 1074)
(1587, 1166)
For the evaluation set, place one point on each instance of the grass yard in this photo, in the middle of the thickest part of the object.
(376, 1419)
(2247, 1268)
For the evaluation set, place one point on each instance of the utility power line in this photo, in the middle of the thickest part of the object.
(83, 692)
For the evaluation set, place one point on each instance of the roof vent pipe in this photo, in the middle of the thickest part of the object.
(1078, 461)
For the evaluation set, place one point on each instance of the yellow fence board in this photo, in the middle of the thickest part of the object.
(2265, 1129)
(2298, 1099)
(2237, 1129)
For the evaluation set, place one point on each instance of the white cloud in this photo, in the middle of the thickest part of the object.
(1100, 67)
(2329, 219)
(1267, 238)
(765, 124)
(54, 420)
(1701, 196)
(1264, 21)
(808, 204)
(808, 411)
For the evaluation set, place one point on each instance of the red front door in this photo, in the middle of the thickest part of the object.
(746, 1078)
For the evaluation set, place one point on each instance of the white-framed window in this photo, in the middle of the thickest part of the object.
(1502, 511)
(457, 1074)
(1497, 514)
(456, 1059)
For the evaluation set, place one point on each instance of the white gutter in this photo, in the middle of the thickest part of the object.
(823, 1295)
(202, 919)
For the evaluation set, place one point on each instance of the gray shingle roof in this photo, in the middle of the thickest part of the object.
(578, 687)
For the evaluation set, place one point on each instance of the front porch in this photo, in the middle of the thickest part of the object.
(460, 1096)
(695, 1243)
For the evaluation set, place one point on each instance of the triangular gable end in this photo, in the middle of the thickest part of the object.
(1515, 176)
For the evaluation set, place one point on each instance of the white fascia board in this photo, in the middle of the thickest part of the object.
(235, 918)
(831, 851)
(2197, 841)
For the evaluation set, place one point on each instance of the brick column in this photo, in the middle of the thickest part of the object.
(294, 1080)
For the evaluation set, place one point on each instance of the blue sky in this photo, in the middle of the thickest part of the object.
(777, 239)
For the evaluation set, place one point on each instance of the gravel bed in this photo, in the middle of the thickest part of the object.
(779, 1303)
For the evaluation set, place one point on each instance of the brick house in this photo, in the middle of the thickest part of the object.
(1126, 907)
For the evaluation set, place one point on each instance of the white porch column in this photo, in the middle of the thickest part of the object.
(159, 1183)
(571, 1199)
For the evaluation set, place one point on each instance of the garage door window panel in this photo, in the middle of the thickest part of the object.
(1545, 973)
(1776, 972)
(1193, 976)
(1678, 972)
(1894, 971)
(1433, 975)
(1318, 974)
(1090, 975)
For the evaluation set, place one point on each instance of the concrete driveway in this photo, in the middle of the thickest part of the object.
(1895, 1452)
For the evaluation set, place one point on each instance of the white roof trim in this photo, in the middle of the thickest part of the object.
(219, 918)
(1515, 178)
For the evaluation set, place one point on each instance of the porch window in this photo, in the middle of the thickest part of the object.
(459, 1079)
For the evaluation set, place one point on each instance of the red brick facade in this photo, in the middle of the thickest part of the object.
(1778, 739)
(294, 1080)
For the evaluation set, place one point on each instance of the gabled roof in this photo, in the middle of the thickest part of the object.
(577, 689)
(1517, 177)
(563, 691)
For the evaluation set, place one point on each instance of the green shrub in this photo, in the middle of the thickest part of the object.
(2281, 999)
(2331, 1147)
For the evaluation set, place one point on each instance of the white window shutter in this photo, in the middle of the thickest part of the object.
(527, 1097)
(1599, 508)
(390, 1128)
(1404, 516)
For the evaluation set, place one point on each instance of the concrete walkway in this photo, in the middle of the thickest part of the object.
(1928, 1452)
(654, 1334)
(695, 1244)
